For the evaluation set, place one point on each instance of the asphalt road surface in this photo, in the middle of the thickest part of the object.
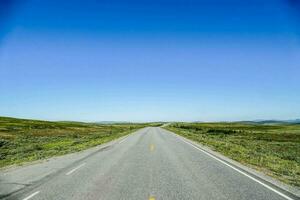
(151, 164)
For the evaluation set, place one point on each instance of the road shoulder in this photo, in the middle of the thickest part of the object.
(282, 187)
(15, 178)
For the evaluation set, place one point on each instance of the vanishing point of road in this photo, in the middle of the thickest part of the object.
(150, 164)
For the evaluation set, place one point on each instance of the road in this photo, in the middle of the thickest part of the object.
(151, 164)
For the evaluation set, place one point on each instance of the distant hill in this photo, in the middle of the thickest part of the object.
(112, 122)
(264, 122)
(293, 121)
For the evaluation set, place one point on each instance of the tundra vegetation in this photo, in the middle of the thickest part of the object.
(28, 140)
(271, 148)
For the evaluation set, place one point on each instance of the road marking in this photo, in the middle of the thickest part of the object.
(32, 195)
(122, 140)
(73, 170)
(151, 147)
(232, 167)
(151, 198)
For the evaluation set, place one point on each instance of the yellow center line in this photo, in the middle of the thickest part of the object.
(151, 198)
(152, 147)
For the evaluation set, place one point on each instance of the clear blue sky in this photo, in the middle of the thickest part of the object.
(205, 60)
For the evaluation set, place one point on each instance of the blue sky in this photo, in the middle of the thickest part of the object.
(205, 60)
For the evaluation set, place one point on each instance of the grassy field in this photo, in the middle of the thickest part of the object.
(272, 149)
(28, 140)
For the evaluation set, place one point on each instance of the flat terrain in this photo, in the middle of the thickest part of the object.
(151, 163)
(28, 140)
(272, 149)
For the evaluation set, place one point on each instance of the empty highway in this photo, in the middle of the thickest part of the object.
(150, 164)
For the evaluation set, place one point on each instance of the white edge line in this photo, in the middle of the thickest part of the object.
(32, 195)
(73, 170)
(122, 140)
(252, 178)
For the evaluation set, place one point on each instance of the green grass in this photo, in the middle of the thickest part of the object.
(28, 140)
(272, 149)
